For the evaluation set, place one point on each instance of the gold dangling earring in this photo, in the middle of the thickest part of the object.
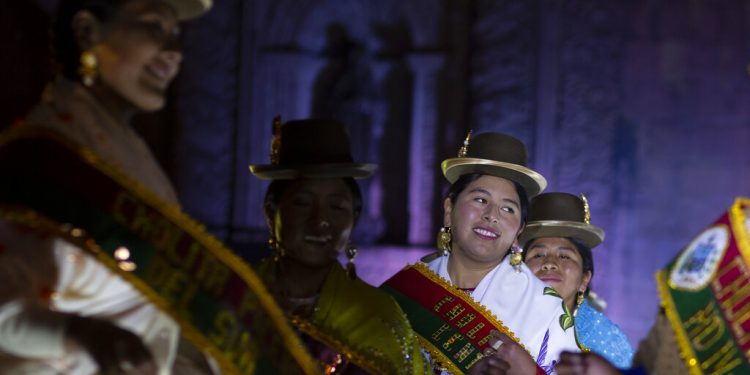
(516, 257)
(579, 301)
(89, 68)
(444, 240)
(276, 249)
(351, 253)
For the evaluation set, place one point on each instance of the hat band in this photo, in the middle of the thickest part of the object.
(563, 224)
(456, 162)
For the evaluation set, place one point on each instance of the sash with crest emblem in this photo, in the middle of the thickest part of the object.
(705, 292)
(222, 307)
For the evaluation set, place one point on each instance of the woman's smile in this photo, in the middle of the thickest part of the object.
(161, 73)
(318, 240)
(486, 234)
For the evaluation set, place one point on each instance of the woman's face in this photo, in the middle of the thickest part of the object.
(138, 53)
(556, 261)
(485, 219)
(314, 220)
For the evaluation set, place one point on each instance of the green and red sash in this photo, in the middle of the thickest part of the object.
(221, 305)
(705, 292)
(453, 327)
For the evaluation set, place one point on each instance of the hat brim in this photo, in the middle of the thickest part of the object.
(590, 235)
(189, 9)
(533, 182)
(275, 172)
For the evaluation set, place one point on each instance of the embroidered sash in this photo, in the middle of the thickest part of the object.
(222, 307)
(453, 327)
(705, 292)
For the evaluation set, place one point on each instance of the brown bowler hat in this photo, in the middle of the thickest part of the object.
(498, 155)
(189, 9)
(560, 215)
(311, 148)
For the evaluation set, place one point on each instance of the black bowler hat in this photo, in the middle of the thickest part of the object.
(311, 148)
(561, 215)
(498, 155)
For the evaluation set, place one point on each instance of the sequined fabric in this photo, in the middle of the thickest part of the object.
(599, 334)
(359, 321)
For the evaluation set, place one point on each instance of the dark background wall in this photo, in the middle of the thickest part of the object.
(641, 105)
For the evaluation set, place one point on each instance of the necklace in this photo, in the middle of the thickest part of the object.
(301, 305)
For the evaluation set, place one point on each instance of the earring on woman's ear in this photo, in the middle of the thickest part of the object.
(89, 68)
(579, 300)
(444, 240)
(276, 249)
(516, 257)
(351, 253)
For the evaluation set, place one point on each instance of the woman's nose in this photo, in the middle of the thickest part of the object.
(490, 215)
(172, 56)
(319, 218)
(548, 265)
(172, 43)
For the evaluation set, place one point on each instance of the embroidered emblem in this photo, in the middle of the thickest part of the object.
(697, 264)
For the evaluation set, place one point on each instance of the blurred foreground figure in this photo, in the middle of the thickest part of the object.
(100, 271)
(705, 296)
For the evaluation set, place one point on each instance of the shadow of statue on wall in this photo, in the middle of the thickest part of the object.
(343, 90)
(371, 93)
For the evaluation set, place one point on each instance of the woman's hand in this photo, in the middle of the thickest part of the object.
(116, 350)
(584, 363)
(518, 359)
(505, 357)
(490, 364)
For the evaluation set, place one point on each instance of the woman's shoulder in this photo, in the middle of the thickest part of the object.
(600, 334)
(588, 318)
(370, 319)
(369, 297)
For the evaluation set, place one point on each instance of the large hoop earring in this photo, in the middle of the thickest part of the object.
(351, 269)
(444, 240)
(89, 68)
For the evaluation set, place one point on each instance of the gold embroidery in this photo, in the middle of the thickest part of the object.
(187, 224)
(425, 271)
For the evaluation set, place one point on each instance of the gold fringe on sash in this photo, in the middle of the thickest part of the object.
(172, 212)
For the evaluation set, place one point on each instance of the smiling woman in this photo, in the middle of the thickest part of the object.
(558, 240)
(460, 299)
(61, 309)
(125, 52)
(311, 207)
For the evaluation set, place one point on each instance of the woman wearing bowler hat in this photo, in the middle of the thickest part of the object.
(61, 310)
(478, 287)
(557, 242)
(311, 206)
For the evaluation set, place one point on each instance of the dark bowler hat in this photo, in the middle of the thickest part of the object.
(189, 9)
(311, 148)
(498, 155)
(561, 215)
(185, 9)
